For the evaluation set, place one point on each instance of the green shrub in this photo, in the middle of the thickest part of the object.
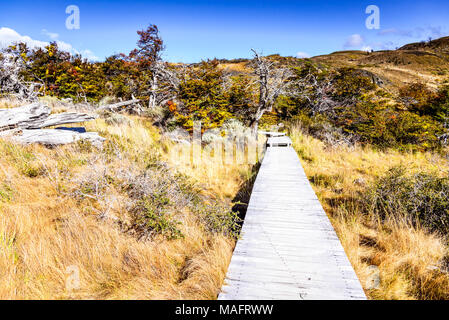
(84, 146)
(32, 170)
(202, 97)
(25, 162)
(423, 101)
(386, 127)
(325, 180)
(422, 198)
(321, 127)
(415, 95)
(150, 218)
(6, 192)
(413, 131)
(353, 112)
(216, 216)
(350, 82)
(219, 218)
(439, 106)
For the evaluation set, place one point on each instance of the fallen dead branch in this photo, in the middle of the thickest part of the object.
(131, 105)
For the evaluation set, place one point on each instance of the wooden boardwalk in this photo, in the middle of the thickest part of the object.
(288, 249)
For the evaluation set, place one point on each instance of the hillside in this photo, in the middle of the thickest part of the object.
(426, 62)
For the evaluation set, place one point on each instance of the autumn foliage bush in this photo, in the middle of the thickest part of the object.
(363, 112)
(388, 127)
(202, 97)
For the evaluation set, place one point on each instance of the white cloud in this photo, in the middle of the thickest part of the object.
(51, 35)
(9, 36)
(302, 55)
(66, 47)
(89, 55)
(366, 48)
(356, 40)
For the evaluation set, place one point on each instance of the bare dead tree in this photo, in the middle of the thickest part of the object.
(272, 81)
(317, 92)
(153, 85)
(164, 84)
(444, 138)
(12, 65)
(163, 80)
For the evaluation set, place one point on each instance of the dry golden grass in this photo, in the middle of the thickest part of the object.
(45, 233)
(407, 257)
(240, 67)
(401, 76)
(216, 178)
(8, 102)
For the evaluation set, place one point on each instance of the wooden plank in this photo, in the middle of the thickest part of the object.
(272, 134)
(288, 247)
(279, 141)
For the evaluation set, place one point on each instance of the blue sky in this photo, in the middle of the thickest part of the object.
(195, 30)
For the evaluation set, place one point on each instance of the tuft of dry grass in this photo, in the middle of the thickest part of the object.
(9, 102)
(411, 261)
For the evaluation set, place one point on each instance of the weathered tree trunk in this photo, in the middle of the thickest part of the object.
(23, 117)
(24, 125)
(153, 90)
(55, 137)
(36, 116)
(63, 118)
(271, 82)
(254, 124)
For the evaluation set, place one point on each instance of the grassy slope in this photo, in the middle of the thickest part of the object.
(406, 256)
(428, 63)
(44, 229)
